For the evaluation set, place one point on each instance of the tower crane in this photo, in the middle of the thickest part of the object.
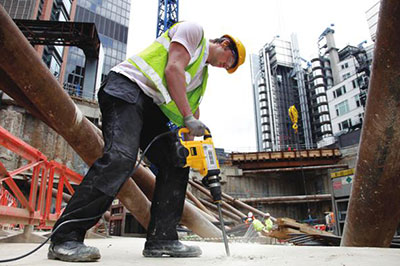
(168, 14)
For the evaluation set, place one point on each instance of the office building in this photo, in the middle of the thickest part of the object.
(344, 76)
(278, 83)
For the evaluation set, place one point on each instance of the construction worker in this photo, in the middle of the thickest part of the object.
(258, 225)
(139, 97)
(250, 218)
(268, 222)
(330, 221)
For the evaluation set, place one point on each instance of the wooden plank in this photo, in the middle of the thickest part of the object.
(276, 155)
(314, 153)
(285, 222)
(327, 152)
(251, 157)
(264, 156)
(289, 154)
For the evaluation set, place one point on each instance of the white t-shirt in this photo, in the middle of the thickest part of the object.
(189, 35)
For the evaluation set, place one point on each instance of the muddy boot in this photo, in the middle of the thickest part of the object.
(172, 248)
(73, 251)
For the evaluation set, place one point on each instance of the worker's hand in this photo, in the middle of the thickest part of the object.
(195, 126)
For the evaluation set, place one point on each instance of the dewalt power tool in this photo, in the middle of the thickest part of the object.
(201, 156)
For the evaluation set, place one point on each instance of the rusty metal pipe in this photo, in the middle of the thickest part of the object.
(141, 178)
(192, 217)
(374, 212)
(232, 200)
(27, 71)
(199, 205)
(224, 212)
(233, 209)
(289, 199)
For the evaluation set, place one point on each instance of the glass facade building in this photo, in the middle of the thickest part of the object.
(112, 20)
(278, 83)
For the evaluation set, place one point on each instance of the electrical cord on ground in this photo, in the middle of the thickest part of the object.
(89, 218)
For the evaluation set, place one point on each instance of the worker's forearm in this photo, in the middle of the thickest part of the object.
(177, 89)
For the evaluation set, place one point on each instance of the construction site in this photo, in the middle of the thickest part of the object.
(327, 204)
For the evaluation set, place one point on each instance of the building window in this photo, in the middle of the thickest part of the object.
(357, 99)
(264, 119)
(345, 65)
(346, 76)
(360, 117)
(266, 136)
(345, 124)
(321, 99)
(320, 90)
(264, 111)
(339, 92)
(326, 127)
(324, 118)
(323, 109)
(342, 108)
(354, 83)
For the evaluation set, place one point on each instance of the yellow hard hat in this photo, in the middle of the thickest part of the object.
(240, 51)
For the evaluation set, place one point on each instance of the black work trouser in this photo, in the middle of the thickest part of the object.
(126, 127)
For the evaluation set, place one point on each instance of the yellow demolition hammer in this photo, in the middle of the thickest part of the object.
(201, 156)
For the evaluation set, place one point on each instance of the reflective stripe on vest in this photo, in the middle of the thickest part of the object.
(152, 75)
(152, 62)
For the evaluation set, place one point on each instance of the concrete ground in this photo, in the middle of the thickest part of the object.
(119, 251)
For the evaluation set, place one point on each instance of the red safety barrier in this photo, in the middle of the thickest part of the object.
(6, 199)
(36, 208)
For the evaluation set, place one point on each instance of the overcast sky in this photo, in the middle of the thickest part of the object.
(227, 108)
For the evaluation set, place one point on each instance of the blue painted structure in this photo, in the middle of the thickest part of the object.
(168, 14)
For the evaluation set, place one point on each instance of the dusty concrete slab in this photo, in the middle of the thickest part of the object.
(128, 251)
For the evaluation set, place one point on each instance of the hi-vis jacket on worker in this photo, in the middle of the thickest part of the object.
(147, 68)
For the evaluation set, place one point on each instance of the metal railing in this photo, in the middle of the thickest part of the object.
(36, 208)
(77, 91)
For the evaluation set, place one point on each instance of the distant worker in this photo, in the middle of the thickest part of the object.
(258, 225)
(330, 221)
(268, 222)
(250, 218)
(139, 97)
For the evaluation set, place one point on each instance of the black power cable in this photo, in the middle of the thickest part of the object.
(90, 218)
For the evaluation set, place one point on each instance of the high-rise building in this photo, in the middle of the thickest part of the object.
(112, 20)
(338, 86)
(323, 73)
(329, 93)
(347, 98)
(278, 83)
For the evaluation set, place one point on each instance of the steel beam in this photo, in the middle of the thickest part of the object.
(291, 169)
(289, 199)
(374, 211)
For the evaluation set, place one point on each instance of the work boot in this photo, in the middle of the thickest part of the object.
(173, 248)
(73, 251)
